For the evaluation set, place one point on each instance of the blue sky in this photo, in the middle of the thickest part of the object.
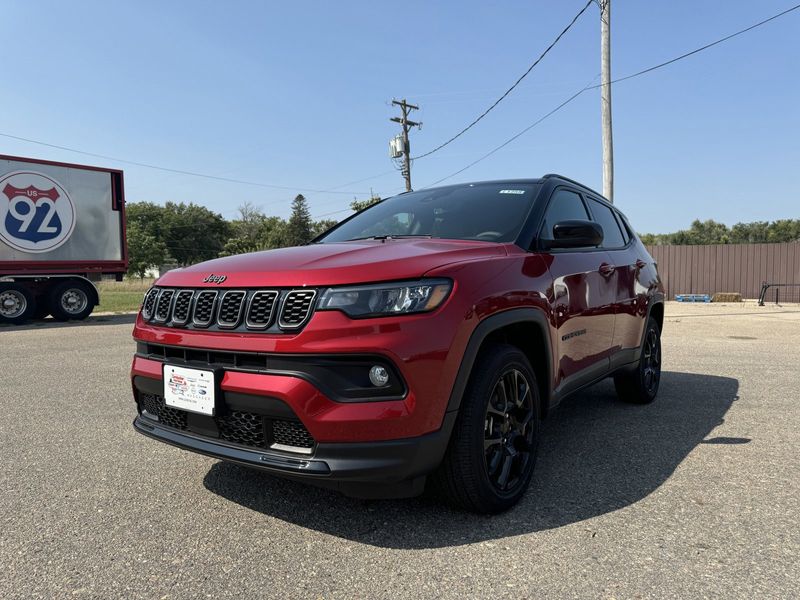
(297, 94)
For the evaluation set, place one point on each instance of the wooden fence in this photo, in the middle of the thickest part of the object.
(727, 267)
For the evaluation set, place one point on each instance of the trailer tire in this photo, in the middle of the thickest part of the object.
(71, 300)
(17, 303)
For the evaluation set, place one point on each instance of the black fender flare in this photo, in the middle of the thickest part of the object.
(655, 300)
(483, 330)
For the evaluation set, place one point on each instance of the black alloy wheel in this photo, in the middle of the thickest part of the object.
(651, 362)
(639, 385)
(508, 431)
(489, 462)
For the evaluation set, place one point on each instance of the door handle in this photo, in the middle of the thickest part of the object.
(606, 269)
(640, 264)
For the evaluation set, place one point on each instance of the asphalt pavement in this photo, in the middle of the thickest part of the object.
(696, 495)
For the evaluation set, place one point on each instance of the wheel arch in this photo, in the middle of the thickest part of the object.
(657, 312)
(524, 328)
(94, 294)
(655, 309)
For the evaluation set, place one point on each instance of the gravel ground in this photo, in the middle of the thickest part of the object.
(697, 495)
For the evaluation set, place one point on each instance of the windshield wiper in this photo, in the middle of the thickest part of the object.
(389, 237)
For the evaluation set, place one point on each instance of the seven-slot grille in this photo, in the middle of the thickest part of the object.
(296, 308)
(260, 310)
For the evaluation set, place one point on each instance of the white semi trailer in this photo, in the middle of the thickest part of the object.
(62, 226)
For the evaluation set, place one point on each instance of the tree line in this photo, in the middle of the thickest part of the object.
(184, 234)
(711, 232)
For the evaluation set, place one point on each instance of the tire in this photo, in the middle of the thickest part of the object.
(640, 385)
(17, 304)
(476, 474)
(71, 300)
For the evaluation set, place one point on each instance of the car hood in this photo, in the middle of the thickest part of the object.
(333, 264)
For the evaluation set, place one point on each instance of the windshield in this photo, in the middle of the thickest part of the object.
(492, 212)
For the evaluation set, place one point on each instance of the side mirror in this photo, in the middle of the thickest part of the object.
(575, 234)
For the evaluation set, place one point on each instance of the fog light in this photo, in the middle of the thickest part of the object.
(378, 375)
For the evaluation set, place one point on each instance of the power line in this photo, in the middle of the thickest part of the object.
(509, 90)
(619, 79)
(335, 212)
(182, 172)
(514, 137)
(701, 48)
(392, 172)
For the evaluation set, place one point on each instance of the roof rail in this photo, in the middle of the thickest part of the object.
(578, 183)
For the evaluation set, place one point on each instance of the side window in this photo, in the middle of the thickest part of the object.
(564, 206)
(626, 235)
(604, 216)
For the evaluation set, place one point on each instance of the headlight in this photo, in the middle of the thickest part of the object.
(399, 298)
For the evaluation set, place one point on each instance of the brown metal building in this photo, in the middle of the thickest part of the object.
(728, 268)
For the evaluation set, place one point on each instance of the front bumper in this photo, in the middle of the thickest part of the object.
(365, 447)
(387, 469)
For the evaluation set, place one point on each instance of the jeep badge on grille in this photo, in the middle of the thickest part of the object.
(215, 278)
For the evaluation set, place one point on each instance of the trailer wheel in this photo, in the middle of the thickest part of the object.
(17, 304)
(71, 300)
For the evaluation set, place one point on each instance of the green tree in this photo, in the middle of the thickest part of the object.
(254, 232)
(148, 217)
(299, 227)
(193, 233)
(750, 233)
(359, 205)
(650, 239)
(784, 230)
(711, 232)
(245, 232)
(144, 250)
(708, 232)
(321, 226)
(273, 233)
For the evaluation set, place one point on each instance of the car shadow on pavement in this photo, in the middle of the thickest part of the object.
(597, 455)
(50, 323)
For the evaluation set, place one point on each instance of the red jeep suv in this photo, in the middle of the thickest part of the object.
(422, 339)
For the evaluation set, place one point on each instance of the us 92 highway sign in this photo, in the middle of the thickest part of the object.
(36, 212)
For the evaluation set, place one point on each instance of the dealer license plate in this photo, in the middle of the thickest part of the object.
(189, 389)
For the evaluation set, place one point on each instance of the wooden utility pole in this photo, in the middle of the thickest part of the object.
(406, 125)
(605, 98)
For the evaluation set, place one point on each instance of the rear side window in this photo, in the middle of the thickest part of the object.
(604, 216)
(564, 206)
(626, 235)
(627, 231)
